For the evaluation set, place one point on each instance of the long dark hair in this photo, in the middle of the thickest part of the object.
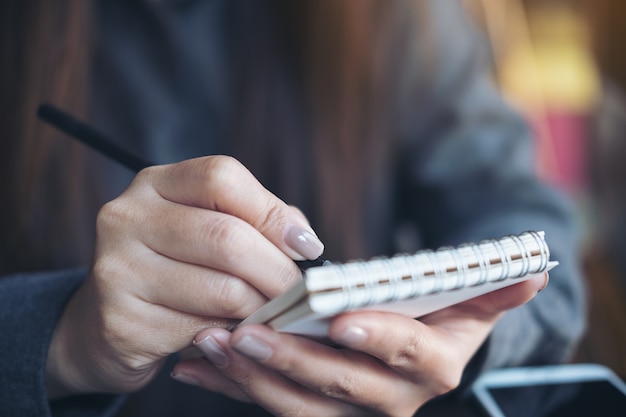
(322, 77)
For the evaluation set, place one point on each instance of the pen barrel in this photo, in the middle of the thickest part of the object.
(91, 137)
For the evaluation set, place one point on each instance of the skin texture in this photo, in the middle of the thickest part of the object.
(391, 365)
(191, 248)
(187, 246)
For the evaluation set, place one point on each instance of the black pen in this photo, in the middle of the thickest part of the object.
(90, 137)
(96, 140)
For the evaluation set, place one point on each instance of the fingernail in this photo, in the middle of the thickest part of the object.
(254, 348)
(352, 336)
(185, 379)
(212, 351)
(304, 242)
(545, 284)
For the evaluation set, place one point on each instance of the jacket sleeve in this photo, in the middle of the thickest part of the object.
(471, 172)
(30, 305)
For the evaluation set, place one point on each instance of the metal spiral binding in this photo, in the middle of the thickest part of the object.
(482, 263)
(545, 251)
(394, 278)
(461, 267)
(361, 281)
(524, 253)
(505, 258)
(417, 274)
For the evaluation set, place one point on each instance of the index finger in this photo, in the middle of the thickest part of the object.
(223, 184)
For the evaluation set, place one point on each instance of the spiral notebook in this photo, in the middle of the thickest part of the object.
(413, 285)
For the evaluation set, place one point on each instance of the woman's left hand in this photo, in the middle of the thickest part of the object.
(391, 364)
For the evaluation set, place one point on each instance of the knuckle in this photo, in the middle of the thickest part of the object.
(443, 368)
(146, 174)
(115, 328)
(223, 163)
(237, 299)
(227, 238)
(111, 215)
(287, 276)
(221, 172)
(270, 216)
(342, 388)
(110, 275)
(104, 267)
(120, 216)
(448, 382)
(406, 356)
(448, 377)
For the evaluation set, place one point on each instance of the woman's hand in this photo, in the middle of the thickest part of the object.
(188, 246)
(391, 365)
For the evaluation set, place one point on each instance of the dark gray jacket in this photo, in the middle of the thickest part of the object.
(468, 174)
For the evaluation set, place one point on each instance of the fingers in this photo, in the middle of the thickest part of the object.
(230, 246)
(393, 365)
(423, 354)
(187, 246)
(199, 237)
(490, 305)
(199, 291)
(455, 332)
(264, 386)
(199, 372)
(513, 296)
(285, 373)
(415, 348)
(222, 184)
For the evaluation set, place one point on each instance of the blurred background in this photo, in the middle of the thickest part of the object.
(561, 63)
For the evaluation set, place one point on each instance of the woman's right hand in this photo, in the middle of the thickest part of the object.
(186, 247)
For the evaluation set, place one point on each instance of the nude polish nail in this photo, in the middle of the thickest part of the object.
(212, 351)
(185, 379)
(353, 337)
(254, 348)
(304, 242)
(545, 284)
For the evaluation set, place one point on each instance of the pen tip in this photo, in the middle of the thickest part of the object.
(306, 264)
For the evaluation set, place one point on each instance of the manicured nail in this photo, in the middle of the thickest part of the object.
(545, 284)
(254, 348)
(185, 379)
(304, 242)
(212, 351)
(352, 337)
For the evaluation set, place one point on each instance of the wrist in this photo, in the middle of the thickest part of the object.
(58, 367)
(63, 364)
